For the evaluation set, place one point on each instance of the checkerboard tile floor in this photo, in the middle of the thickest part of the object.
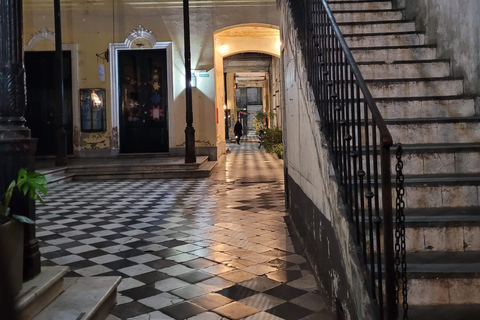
(215, 248)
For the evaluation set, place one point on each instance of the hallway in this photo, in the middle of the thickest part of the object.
(214, 248)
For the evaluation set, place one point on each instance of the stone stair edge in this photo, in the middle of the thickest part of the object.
(375, 34)
(362, 63)
(70, 285)
(30, 295)
(361, 23)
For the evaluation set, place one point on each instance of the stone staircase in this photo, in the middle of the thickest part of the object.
(427, 111)
(52, 296)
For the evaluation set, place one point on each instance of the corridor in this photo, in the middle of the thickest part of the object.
(215, 248)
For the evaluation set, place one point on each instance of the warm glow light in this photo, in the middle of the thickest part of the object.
(223, 48)
(96, 99)
(279, 43)
(224, 107)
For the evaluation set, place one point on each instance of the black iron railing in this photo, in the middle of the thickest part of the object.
(359, 143)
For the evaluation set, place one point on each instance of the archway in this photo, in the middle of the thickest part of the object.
(254, 38)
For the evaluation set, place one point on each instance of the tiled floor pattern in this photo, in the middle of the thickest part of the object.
(215, 248)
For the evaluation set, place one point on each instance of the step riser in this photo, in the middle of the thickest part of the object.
(360, 6)
(123, 170)
(390, 55)
(378, 28)
(385, 40)
(418, 88)
(462, 132)
(462, 238)
(405, 71)
(443, 291)
(426, 109)
(435, 163)
(441, 196)
(133, 176)
(367, 16)
(428, 196)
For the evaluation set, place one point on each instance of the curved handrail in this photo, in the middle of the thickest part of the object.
(377, 117)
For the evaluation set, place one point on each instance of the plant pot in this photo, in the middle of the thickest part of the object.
(11, 240)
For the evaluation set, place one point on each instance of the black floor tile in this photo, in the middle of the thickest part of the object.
(141, 292)
(92, 254)
(130, 310)
(173, 243)
(151, 277)
(119, 264)
(285, 292)
(80, 264)
(237, 292)
(194, 276)
(183, 310)
(289, 311)
(160, 264)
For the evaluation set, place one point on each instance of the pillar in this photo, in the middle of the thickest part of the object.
(17, 149)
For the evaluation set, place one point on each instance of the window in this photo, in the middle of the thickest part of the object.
(92, 103)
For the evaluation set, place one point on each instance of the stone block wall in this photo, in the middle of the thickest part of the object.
(454, 26)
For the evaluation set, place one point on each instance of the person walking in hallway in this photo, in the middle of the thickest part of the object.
(238, 131)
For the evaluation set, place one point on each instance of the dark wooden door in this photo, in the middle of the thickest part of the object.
(40, 112)
(143, 106)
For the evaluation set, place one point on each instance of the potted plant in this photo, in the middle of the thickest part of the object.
(11, 227)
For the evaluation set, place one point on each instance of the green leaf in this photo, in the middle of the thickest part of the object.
(23, 219)
(32, 183)
(8, 196)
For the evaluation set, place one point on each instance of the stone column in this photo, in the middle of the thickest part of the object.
(17, 149)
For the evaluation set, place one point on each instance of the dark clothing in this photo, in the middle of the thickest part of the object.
(238, 131)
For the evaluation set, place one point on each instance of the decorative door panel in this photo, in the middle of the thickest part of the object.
(143, 101)
(41, 97)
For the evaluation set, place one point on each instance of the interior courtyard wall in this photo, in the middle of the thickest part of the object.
(454, 27)
(93, 26)
(313, 197)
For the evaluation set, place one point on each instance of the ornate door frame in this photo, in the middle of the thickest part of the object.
(147, 35)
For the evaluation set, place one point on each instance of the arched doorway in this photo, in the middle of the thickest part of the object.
(258, 39)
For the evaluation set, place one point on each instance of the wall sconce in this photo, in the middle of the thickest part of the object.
(193, 80)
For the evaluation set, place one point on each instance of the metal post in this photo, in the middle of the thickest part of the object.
(189, 130)
(61, 137)
(17, 149)
(388, 230)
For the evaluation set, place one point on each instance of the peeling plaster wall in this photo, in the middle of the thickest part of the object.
(454, 26)
(314, 201)
(93, 25)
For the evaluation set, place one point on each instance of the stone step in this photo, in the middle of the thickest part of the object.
(426, 107)
(37, 293)
(405, 69)
(435, 130)
(422, 159)
(443, 229)
(385, 39)
(367, 16)
(390, 54)
(359, 5)
(442, 190)
(56, 176)
(395, 88)
(83, 298)
(377, 27)
(443, 312)
(448, 278)
(159, 173)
